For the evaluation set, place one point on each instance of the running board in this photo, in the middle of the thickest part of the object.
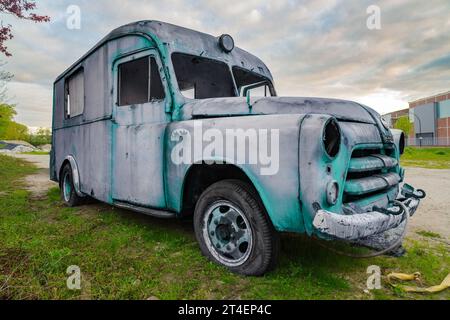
(150, 212)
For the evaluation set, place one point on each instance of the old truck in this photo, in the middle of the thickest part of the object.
(133, 119)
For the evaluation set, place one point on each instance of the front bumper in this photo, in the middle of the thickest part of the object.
(362, 225)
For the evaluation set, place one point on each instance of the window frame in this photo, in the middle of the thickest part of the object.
(129, 59)
(67, 114)
(267, 82)
(176, 84)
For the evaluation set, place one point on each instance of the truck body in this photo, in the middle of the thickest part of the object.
(122, 109)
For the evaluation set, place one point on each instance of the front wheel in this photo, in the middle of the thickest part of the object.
(233, 229)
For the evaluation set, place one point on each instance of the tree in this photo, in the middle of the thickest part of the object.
(7, 112)
(21, 9)
(16, 131)
(41, 137)
(9, 129)
(403, 124)
(5, 77)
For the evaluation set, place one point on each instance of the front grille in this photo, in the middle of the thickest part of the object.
(370, 172)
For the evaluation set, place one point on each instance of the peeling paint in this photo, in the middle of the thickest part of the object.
(123, 153)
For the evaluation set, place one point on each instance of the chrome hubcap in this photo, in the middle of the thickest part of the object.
(227, 233)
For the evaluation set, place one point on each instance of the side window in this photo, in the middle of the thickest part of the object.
(75, 94)
(139, 82)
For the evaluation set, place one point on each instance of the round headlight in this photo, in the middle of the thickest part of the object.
(332, 138)
(226, 42)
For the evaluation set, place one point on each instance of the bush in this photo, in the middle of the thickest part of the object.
(41, 137)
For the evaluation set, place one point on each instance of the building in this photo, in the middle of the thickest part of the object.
(392, 117)
(431, 118)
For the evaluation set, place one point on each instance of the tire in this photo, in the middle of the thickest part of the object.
(67, 189)
(233, 229)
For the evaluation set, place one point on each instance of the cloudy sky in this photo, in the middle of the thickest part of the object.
(313, 47)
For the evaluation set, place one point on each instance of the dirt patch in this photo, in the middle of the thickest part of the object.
(39, 184)
(433, 214)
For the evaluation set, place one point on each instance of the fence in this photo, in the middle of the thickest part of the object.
(428, 142)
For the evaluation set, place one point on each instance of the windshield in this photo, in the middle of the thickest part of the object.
(202, 78)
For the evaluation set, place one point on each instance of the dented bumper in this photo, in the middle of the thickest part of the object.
(357, 226)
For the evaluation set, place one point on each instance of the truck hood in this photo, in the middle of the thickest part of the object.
(228, 107)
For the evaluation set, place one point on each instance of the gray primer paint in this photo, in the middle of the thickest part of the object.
(123, 153)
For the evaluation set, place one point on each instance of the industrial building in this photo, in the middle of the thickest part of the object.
(431, 120)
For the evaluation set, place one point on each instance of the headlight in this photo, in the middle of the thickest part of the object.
(332, 138)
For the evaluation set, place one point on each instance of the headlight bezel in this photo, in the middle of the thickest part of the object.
(331, 138)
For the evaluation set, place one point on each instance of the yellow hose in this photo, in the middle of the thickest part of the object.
(416, 276)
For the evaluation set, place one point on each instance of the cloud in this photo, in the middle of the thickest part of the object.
(33, 103)
(442, 62)
(313, 47)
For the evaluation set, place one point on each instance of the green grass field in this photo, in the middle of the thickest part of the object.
(432, 158)
(124, 255)
(37, 153)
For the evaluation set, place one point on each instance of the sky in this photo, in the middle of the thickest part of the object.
(321, 48)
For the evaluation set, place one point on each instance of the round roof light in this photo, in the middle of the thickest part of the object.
(226, 42)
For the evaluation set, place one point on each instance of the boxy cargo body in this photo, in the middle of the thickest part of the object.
(114, 146)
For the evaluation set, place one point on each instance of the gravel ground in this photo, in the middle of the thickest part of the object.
(433, 214)
(434, 211)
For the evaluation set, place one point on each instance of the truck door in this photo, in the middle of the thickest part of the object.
(139, 120)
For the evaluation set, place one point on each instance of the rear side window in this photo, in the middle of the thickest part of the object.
(75, 94)
(139, 82)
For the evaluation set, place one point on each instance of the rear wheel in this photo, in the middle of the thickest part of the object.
(68, 193)
(233, 229)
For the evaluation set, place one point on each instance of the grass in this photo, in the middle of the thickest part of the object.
(429, 234)
(124, 255)
(37, 153)
(432, 158)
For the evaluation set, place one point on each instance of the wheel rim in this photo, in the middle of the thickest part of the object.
(67, 187)
(227, 233)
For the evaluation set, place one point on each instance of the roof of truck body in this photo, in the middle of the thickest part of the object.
(180, 39)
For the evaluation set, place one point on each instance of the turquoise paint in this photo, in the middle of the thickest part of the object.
(339, 172)
(295, 222)
(113, 130)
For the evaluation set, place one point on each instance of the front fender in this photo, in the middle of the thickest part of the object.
(279, 191)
